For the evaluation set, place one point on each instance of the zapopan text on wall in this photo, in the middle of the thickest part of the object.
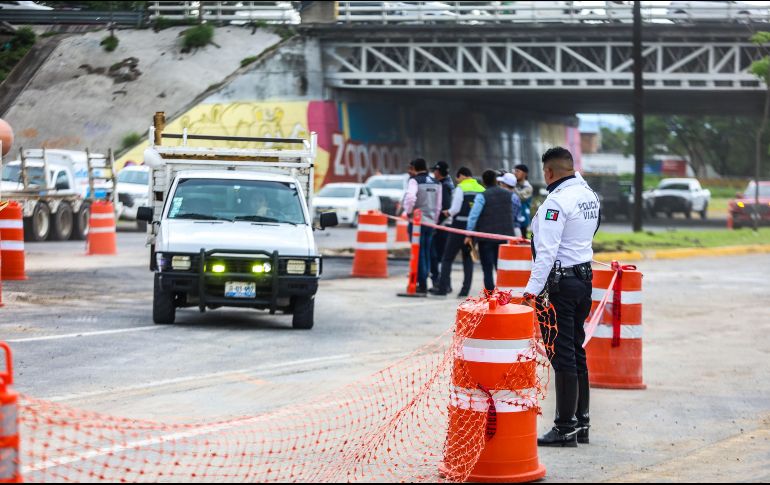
(353, 159)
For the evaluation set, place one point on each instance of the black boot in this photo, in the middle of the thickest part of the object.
(583, 419)
(564, 432)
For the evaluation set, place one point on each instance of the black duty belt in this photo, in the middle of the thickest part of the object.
(574, 271)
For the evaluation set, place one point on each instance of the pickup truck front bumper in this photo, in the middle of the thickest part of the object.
(273, 289)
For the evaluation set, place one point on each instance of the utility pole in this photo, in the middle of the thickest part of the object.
(638, 118)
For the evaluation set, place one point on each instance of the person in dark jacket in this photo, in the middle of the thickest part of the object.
(492, 213)
(440, 175)
(459, 209)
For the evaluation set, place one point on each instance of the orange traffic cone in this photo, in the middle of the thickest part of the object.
(614, 353)
(12, 242)
(414, 260)
(514, 265)
(10, 469)
(493, 381)
(371, 258)
(101, 229)
(402, 230)
(1, 284)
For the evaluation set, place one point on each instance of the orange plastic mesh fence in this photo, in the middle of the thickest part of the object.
(391, 426)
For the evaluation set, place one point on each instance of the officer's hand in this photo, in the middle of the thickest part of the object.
(469, 241)
(529, 296)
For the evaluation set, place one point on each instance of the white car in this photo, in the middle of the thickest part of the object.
(347, 200)
(677, 195)
(23, 6)
(390, 189)
(133, 192)
(715, 11)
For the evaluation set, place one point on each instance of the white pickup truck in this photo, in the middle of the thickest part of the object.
(677, 195)
(231, 226)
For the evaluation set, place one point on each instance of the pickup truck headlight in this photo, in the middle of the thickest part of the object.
(180, 263)
(314, 267)
(295, 266)
(261, 268)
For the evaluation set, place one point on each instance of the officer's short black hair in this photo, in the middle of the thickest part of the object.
(558, 153)
(464, 171)
(419, 164)
(489, 177)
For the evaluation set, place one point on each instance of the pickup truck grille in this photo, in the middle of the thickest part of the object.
(126, 199)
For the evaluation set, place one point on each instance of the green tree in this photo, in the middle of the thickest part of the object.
(616, 140)
(761, 69)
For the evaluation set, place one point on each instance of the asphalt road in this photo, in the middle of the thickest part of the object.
(82, 334)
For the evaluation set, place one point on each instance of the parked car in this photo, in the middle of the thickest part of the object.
(390, 189)
(133, 192)
(743, 208)
(713, 11)
(347, 200)
(672, 195)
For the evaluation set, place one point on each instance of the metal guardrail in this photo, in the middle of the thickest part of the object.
(122, 18)
(476, 12)
(242, 12)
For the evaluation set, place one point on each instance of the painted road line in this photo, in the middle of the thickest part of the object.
(83, 334)
(203, 377)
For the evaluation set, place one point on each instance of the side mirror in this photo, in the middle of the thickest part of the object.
(144, 214)
(329, 219)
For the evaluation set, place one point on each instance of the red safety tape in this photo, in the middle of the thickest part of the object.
(616, 303)
(491, 428)
(454, 230)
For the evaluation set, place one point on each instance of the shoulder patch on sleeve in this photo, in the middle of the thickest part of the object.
(551, 215)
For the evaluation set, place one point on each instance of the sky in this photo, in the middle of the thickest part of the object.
(591, 122)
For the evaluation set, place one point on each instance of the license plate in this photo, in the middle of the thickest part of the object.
(238, 289)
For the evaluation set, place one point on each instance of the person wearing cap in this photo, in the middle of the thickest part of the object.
(423, 193)
(508, 182)
(562, 234)
(441, 175)
(524, 190)
(492, 212)
(459, 209)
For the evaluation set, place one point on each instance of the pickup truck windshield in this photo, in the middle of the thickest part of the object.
(237, 200)
(338, 191)
(674, 186)
(134, 177)
(12, 173)
(387, 183)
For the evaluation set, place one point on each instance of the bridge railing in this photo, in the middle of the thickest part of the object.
(241, 12)
(476, 12)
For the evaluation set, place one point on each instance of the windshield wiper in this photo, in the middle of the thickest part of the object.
(255, 219)
(203, 217)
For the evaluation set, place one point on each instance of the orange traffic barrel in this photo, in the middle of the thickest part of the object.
(402, 230)
(10, 469)
(371, 257)
(614, 353)
(101, 229)
(493, 403)
(12, 242)
(514, 265)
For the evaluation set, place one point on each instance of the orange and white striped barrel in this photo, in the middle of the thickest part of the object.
(617, 366)
(402, 230)
(371, 257)
(1, 284)
(10, 468)
(12, 242)
(514, 265)
(101, 229)
(493, 385)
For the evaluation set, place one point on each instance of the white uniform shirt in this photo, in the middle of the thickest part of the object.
(563, 229)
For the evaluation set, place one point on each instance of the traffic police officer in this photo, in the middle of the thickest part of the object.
(563, 229)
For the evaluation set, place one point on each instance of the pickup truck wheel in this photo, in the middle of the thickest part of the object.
(704, 212)
(304, 307)
(62, 222)
(38, 227)
(354, 222)
(163, 307)
(80, 226)
(688, 214)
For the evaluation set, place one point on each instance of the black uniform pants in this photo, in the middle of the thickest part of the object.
(454, 244)
(572, 304)
(437, 247)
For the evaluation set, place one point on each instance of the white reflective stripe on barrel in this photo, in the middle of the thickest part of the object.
(372, 246)
(496, 351)
(505, 401)
(12, 245)
(513, 289)
(626, 297)
(372, 228)
(626, 331)
(11, 224)
(102, 216)
(514, 265)
(8, 421)
(100, 230)
(9, 464)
